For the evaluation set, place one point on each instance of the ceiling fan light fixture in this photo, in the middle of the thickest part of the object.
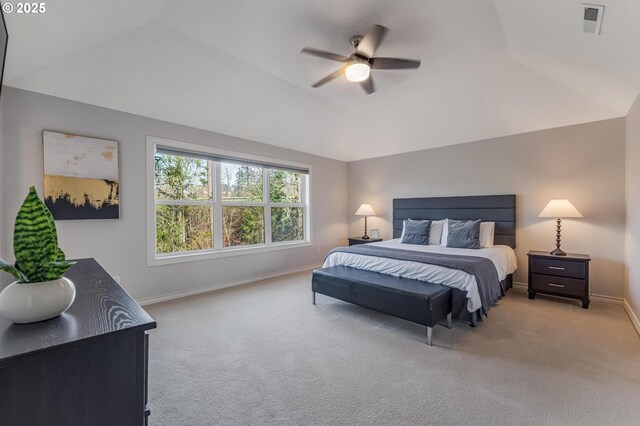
(357, 71)
(357, 67)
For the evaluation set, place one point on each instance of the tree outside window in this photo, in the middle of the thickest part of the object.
(256, 205)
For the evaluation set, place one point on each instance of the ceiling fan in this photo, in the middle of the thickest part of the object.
(358, 66)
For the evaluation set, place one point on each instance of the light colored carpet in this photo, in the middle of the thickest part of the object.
(263, 354)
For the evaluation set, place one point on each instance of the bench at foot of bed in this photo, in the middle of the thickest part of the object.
(416, 301)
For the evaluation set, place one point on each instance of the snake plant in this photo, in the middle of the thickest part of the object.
(35, 244)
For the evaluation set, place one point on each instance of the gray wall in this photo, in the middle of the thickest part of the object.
(120, 245)
(584, 163)
(632, 252)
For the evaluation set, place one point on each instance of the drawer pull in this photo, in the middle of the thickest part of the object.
(556, 267)
(556, 285)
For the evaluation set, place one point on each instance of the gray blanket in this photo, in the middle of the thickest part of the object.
(483, 269)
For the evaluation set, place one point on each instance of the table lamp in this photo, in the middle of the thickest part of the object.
(559, 209)
(365, 210)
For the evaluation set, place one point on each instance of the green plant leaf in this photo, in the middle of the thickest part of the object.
(60, 256)
(34, 238)
(52, 270)
(4, 266)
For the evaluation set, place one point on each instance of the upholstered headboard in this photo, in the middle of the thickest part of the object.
(500, 209)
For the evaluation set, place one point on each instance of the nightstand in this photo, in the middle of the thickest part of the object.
(566, 276)
(358, 240)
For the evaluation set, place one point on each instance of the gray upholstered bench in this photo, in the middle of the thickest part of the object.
(416, 301)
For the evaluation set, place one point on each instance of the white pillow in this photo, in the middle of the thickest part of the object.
(445, 233)
(487, 229)
(435, 233)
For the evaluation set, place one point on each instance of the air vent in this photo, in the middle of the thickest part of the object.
(592, 18)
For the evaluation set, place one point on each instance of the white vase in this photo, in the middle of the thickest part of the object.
(31, 302)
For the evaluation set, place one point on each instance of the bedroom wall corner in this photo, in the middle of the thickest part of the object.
(584, 163)
(632, 235)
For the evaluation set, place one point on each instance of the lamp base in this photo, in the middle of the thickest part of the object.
(558, 252)
(365, 237)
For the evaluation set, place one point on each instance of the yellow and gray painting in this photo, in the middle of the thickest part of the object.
(80, 177)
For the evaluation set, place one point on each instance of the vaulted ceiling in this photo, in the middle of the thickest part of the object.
(489, 67)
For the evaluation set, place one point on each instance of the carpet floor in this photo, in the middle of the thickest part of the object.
(262, 354)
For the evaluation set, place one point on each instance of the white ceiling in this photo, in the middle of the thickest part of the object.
(489, 67)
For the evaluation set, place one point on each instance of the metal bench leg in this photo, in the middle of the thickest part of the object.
(449, 325)
(429, 336)
(313, 297)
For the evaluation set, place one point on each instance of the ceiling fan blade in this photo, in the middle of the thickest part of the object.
(368, 86)
(393, 63)
(328, 78)
(323, 54)
(371, 41)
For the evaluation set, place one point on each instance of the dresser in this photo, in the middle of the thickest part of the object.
(85, 367)
(566, 276)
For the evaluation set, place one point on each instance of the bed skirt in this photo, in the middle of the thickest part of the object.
(459, 302)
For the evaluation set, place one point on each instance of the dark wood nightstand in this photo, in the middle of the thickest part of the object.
(358, 240)
(566, 276)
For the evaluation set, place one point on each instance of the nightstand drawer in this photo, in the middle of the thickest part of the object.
(562, 285)
(557, 267)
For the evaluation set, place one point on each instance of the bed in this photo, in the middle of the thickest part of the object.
(471, 299)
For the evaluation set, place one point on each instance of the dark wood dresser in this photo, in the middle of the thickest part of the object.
(85, 367)
(566, 276)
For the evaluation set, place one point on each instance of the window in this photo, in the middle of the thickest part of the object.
(213, 202)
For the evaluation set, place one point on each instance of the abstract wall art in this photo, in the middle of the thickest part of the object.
(81, 177)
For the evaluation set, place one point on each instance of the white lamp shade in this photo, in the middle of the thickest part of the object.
(365, 210)
(357, 71)
(559, 209)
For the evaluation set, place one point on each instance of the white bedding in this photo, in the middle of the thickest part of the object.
(503, 257)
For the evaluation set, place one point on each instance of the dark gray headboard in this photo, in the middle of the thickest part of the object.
(500, 209)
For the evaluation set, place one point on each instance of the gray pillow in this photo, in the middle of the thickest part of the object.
(464, 234)
(415, 232)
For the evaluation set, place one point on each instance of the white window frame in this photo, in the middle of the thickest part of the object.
(154, 259)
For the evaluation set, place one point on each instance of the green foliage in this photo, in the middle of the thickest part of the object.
(4, 266)
(241, 183)
(242, 225)
(182, 228)
(35, 244)
(287, 224)
(284, 187)
(182, 178)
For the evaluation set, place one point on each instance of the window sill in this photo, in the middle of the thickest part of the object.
(227, 252)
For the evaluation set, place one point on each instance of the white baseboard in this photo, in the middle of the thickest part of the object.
(214, 287)
(520, 286)
(607, 299)
(632, 316)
